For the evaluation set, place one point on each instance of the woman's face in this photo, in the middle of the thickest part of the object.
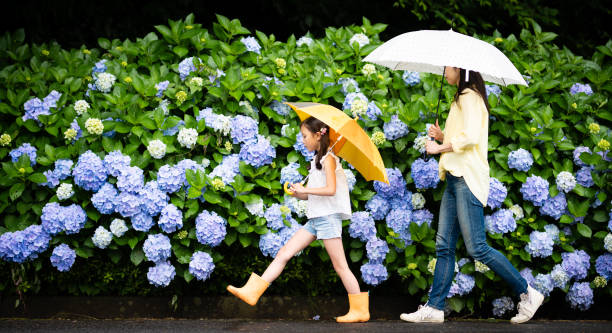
(310, 139)
(452, 75)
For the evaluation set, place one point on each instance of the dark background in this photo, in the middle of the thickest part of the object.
(72, 23)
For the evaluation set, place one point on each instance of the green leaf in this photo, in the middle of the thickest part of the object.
(180, 51)
(584, 230)
(38, 178)
(456, 303)
(16, 190)
(578, 208)
(137, 256)
(245, 239)
(356, 254)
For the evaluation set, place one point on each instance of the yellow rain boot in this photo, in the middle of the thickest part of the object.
(251, 291)
(359, 310)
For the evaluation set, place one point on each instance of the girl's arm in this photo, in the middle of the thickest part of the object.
(300, 196)
(330, 187)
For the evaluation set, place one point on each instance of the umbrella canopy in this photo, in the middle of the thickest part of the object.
(354, 146)
(430, 50)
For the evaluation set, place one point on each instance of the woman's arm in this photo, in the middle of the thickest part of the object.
(433, 147)
(330, 187)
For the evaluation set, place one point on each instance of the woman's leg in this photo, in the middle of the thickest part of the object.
(446, 242)
(471, 221)
(297, 243)
(336, 254)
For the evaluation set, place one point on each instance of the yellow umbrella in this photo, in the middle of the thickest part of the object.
(354, 144)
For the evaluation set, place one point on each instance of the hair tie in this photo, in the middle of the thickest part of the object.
(323, 131)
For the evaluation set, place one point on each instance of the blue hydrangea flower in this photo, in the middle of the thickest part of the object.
(411, 78)
(173, 130)
(493, 89)
(497, 193)
(74, 219)
(130, 179)
(280, 108)
(34, 108)
(535, 189)
(23, 245)
(555, 206)
(169, 178)
(396, 186)
(161, 87)
(270, 243)
(210, 228)
(580, 296)
(26, 149)
(576, 153)
(500, 222)
(462, 262)
(257, 152)
(553, 231)
(373, 273)
(395, 128)
(402, 200)
(520, 160)
(350, 97)
(52, 218)
(581, 88)
(52, 180)
(286, 232)
(377, 250)
(559, 276)
(63, 169)
(540, 244)
(301, 148)
(157, 247)
(171, 219)
(422, 216)
(274, 217)
(527, 274)
(576, 264)
(399, 220)
(127, 204)
(290, 174)
(462, 285)
(89, 172)
(186, 66)
(373, 111)
(378, 206)
(142, 221)
(543, 284)
(161, 274)
(152, 199)
(75, 126)
(62, 257)
(201, 265)
(425, 173)
(362, 226)
(565, 181)
(502, 305)
(105, 199)
(584, 176)
(251, 44)
(603, 265)
(243, 129)
(348, 84)
(227, 169)
(99, 67)
(350, 179)
(185, 164)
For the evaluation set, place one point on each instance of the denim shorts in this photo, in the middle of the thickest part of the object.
(325, 227)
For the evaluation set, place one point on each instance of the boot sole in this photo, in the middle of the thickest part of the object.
(234, 291)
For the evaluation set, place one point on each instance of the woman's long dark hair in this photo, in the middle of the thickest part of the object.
(475, 82)
(315, 125)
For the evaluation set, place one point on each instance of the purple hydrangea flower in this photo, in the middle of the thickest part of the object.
(502, 305)
(411, 78)
(520, 160)
(171, 219)
(62, 257)
(23, 245)
(89, 172)
(251, 44)
(422, 216)
(543, 284)
(377, 250)
(603, 265)
(210, 228)
(584, 176)
(580, 296)
(157, 247)
(576, 264)
(581, 88)
(161, 274)
(396, 186)
(535, 189)
(105, 199)
(270, 243)
(201, 265)
(257, 152)
(243, 129)
(425, 173)
(500, 222)
(555, 206)
(462, 285)
(378, 206)
(540, 244)
(115, 162)
(24, 149)
(373, 273)
(362, 226)
(227, 169)
(497, 193)
(395, 128)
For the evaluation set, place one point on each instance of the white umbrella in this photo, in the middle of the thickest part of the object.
(430, 50)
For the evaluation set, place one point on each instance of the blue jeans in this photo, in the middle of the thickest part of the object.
(461, 211)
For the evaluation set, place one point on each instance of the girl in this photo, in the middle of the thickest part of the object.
(328, 204)
(464, 164)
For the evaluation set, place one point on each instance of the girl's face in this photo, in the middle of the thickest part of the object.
(452, 75)
(311, 140)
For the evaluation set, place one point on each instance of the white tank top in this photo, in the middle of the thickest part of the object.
(323, 205)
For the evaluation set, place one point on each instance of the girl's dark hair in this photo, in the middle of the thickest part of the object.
(475, 82)
(315, 125)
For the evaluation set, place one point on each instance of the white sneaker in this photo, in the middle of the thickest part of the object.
(527, 307)
(425, 314)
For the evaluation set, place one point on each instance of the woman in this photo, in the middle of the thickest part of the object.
(464, 165)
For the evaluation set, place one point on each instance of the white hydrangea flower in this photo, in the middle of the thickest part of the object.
(5, 140)
(256, 208)
(70, 134)
(105, 82)
(118, 227)
(223, 124)
(608, 242)
(418, 201)
(359, 107)
(102, 237)
(157, 149)
(81, 106)
(368, 69)
(205, 163)
(284, 129)
(565, 181)
(304, 40)
(187, 137)
(301, 208)
(196, 81)
(64, 191)
(419, 143)
(94, 126)
(480, 267)
(378, 138)
(361, 39)
(517, 211)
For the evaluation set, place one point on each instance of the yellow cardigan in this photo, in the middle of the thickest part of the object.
(467, 130)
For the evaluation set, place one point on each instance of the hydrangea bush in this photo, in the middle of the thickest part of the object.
(169, 150)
